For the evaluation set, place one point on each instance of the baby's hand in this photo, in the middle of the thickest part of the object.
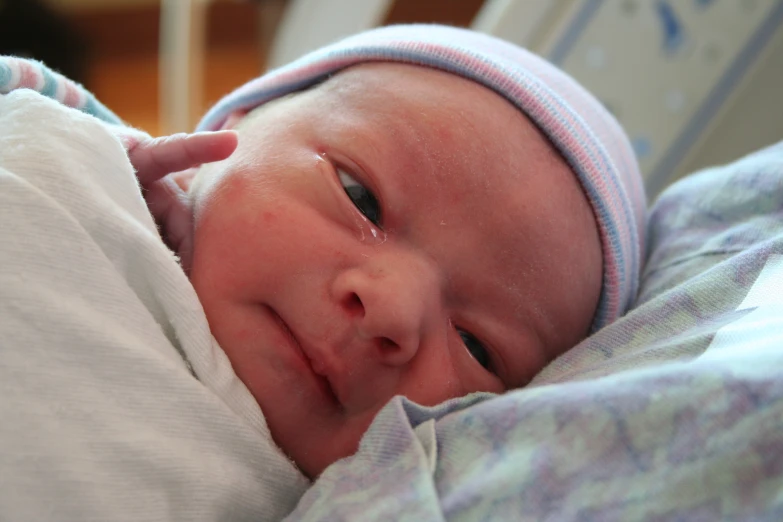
(162, 164)
(156, 158)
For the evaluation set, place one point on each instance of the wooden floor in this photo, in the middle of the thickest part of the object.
(123, 50)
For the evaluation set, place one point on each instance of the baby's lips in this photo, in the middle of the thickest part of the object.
(319, 367)
(355, 389)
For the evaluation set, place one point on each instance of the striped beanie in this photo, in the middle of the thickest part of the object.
(584, 132)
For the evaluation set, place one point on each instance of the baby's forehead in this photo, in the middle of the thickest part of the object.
(392, 80)
(406, 96)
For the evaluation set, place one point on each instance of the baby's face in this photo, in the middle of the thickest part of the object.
(393, 231)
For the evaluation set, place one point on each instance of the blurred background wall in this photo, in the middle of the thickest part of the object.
(694, 82)
(111, 46)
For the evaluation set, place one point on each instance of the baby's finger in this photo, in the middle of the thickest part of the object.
(170, 206)
(157, 157)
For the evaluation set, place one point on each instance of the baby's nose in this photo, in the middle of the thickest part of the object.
(394, 300)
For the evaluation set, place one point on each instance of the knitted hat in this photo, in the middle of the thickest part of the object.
(587, 136)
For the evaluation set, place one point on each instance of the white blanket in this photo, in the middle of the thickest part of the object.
(115, 401)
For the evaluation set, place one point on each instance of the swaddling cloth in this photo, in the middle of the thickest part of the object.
(116, 402)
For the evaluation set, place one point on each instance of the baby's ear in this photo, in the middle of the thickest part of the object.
(233, 119)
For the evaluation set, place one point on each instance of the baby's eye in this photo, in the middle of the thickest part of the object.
(476, 349)
(364, 200)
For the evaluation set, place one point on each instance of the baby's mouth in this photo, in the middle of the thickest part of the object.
(322, 378)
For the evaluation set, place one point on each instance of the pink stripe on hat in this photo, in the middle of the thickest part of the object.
(30, 76)
(587, 136)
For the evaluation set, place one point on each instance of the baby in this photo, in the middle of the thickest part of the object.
(439, 213)
(416, 210)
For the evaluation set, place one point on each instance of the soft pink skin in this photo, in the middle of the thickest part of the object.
(484, 228)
